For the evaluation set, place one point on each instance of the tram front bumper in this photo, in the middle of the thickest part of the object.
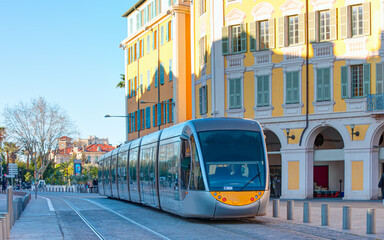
(223, 210)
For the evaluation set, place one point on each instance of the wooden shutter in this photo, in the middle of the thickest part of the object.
(379, 78)
(302, 23)
(243, 36)
(333, 12)
(271, 26)
(156, 77)
(200, 101)
(344, 82)
(312, 27)
(367, 18)
(252, 36)
(161, 73)
(154, 115)
(367, 79)
(344, 33)
(224, 40)
(281, 28)
(158, 114)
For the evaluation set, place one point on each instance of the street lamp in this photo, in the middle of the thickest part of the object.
(126, 116)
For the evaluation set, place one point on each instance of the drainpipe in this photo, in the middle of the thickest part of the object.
(306, 73)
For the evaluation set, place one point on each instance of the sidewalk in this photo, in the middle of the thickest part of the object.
(359, 215)
(37, 222)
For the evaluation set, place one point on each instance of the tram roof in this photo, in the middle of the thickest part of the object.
(212, 124)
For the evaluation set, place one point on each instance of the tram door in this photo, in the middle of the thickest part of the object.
(185, 168)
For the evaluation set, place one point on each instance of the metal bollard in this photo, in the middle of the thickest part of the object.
(5, 228)
(371, 221)
(276, 203)
(307, 212)
(2, 233)
(290, 209)
(16, 210)
(347, 217)
(324, 214)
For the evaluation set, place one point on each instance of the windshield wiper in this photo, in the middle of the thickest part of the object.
(257, 175)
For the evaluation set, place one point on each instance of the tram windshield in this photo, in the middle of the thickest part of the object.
(234, 160)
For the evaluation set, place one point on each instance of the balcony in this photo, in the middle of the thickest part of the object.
(375, 103)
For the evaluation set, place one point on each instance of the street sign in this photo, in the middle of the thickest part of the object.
(12, 169)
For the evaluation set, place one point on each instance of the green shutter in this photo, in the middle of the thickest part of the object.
(168, 105)
(164, 112)
(134, 121)
(170, 70)
(167, 33)
(333, 12)
(148, 117)
(138, 120)
(153, 40)
(379, 78)
(173, 109)
(225, 41)
(200, 100)
(154, 115)
(252, 36)
(206, 99)
(327, 84)
(367, 79)
(231, 93)
(312, 27)
(238, 92)
(271, 26)
(156, 77)
(161, 73)
(243, 36)
(344, 82)
(158, 114)
(320, 77)
(344, 22)
(266, 90)
(367, 18)
(260, 91)
(296, 89)
(288, 86)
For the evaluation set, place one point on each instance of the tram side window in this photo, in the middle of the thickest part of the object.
(185, 165)
(196, 177)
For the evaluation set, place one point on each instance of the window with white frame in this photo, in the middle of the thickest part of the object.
(355, 20)
(325, 25)
(323, 84)
(234, 39)
(202, 6)
(293, 30)
(235, 93)
(203, 100)
(263, 91)
(355, 81)
(203, 50)
(292, 87)
(264, 35)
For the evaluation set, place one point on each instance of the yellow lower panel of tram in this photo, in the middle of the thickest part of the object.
(237, 198)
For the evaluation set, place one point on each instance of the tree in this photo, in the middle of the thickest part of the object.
(37, 126)
(2, 135)
(121, 84)
(10, 149)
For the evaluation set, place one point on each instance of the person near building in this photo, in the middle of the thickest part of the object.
(381, 185)
(3, 185)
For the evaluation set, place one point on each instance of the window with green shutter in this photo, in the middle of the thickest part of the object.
(323, 88)
(138, 120)
(173, 109)
(168, 106)
(158, 114)
(170, 70)
(134, 122)
(148, 117)
(236, 37)
(379, 78)
(156, 76)
(161, 73)
(143, 118)
(263, 91)
(154, 115)
(292, 87)
(344, 82)
(357, 81)
(234, 93)
(225, 41)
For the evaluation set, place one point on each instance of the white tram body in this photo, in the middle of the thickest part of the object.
(206, 168)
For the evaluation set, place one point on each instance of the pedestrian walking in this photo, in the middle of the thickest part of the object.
(381, 185)
(3, 185)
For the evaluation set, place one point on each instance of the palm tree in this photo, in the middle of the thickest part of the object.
(10, 150)
(121, 84)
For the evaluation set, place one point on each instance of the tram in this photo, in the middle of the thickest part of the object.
(213, 168)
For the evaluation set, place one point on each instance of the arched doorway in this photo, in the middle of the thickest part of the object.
(378, 143)
(328, 163)
(274, 157)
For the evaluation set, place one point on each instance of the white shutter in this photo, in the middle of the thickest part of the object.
(333, 12)
(281, 29)
(271, 26)
(302, 23)
(367, 18)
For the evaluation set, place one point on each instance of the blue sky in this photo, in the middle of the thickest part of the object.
(67, 52)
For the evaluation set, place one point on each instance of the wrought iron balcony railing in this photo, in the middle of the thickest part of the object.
(375, 102)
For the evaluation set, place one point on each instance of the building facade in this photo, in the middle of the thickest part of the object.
(311, 72)
(157, 66)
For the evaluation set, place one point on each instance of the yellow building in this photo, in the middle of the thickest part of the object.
(158, 72)
(311, 72)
